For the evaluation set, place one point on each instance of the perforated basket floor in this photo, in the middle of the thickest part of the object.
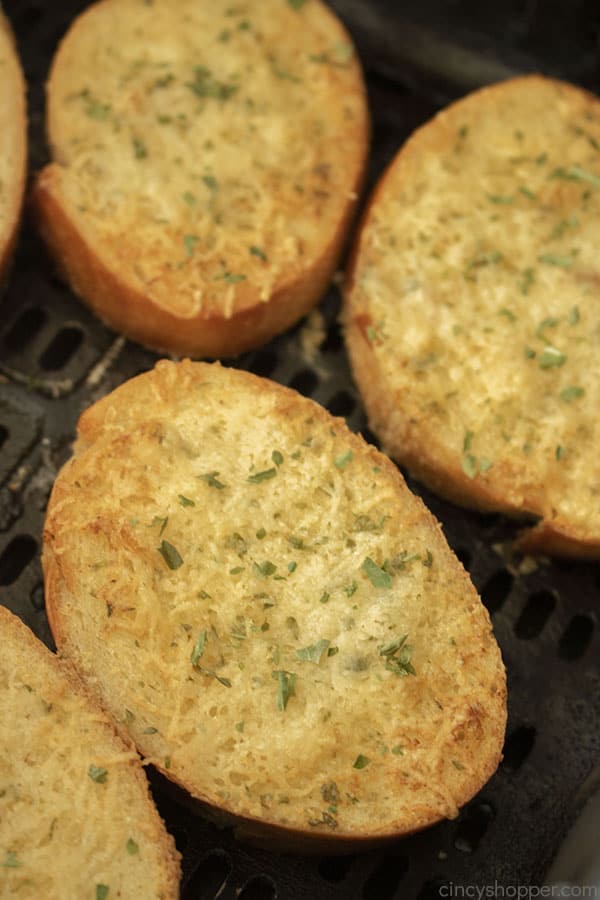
(55, 359)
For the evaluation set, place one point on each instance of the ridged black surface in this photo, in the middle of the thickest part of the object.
(55, 359)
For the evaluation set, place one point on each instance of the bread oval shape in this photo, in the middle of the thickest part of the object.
(13, 143)
(295, 642)
(76, 815)
(473, 308)
(198, 199)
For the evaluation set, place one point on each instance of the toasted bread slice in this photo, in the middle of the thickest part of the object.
(276, 618)
(76, 815)
(207, 158)
(13, 143)
(473, 308)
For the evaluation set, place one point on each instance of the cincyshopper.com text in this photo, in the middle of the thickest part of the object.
(497, 891)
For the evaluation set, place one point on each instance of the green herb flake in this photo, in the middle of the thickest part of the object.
(559, 452)
(199, 646)
(468, 440)
(296, 542)
(550, 259)
(485, 259)
(324, 598)
(260, 534)
(529, 353)
(551, 358)
(502, 201)
(292, 566)
(132, 847)
(398, 655)
(150, 730)
(256, 251)
(211, 182)
(258, 477)
(11, 860)
(527, 193)
(140, 149)
(484, 464)
(507, 313)
(170, 554)
(314, 652)
(236, 570)
(93, 107)
(224, 681)
(350, 589)
(576, 173)
(265, 569)
(185, 501)
(162, 521)
(376, 575)
(457, 765)
(572, 392)
(469, 465)
(574, 317)
(102, 891)
(428, 559)
(206, 85)
(277, 457)
(398, 750)
(190, 242)
(224, 35)
(286, 687)
(341, 461)
(230, 277)
(167, 762)
(527, 280)
(463, 131)
(212, 481)
(360, 762)
(239, 726)
(296, 4)
(98, 774)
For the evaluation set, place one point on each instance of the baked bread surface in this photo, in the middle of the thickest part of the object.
(13, 146)
(76, 816)
(473, 308)
(206, 162)
(276, 619)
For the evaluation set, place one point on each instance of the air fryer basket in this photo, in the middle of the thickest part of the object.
(56, 358)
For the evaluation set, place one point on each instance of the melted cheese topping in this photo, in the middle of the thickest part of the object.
(204, 553)
(200, 142)
(478, 279)
(63, 832)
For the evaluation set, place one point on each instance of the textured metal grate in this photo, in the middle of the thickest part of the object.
(55, 359)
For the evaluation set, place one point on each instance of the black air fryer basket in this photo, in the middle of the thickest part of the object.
(56, 359)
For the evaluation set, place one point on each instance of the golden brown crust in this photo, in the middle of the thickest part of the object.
(63, 688)
(449, 749)
(432, 434)
(151, 286)
(13, 116)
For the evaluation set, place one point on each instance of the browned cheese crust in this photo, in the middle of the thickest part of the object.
(207, 160)
(13, 144)
(75, 809)
(277, 620)
(472, 308)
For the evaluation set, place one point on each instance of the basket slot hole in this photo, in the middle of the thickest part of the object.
(333, 341)
(181, 838)
(518, 746)
(496, 589)
(305, 381)
(341, 404)
(383, 882)
(538, 610)
(24, 329)
(264, 363)
(335, 868)
(61, 348)
(472, 827)
(4, 433)
(37, 597)
(210, 877)
(259, 887)
(15, 557)
(464, 555)
(576, 637)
